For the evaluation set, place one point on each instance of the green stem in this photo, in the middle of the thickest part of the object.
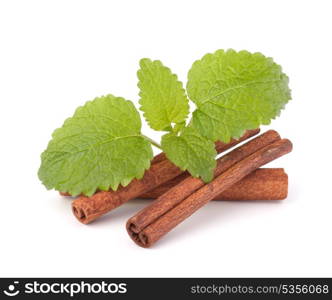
(154, 143)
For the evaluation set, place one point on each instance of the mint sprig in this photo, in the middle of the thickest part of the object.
(165, 106)
(102, 147)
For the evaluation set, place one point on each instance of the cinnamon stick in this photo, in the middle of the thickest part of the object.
(87, 209)
(262, 184)
(153, 222)
(189, 185)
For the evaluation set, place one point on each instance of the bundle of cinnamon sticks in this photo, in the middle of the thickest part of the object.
(177, 195)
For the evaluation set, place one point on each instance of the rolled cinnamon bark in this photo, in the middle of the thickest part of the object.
(154, 221)
(189, 185)
(87, 209)
(262, 184)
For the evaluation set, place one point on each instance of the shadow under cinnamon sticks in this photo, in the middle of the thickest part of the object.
(173, 207)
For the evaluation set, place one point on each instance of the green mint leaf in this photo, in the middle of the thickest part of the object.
(162, 96)
(99, 147)
(190, 151)
(235, 91)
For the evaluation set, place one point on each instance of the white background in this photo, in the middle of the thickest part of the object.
(55, 55)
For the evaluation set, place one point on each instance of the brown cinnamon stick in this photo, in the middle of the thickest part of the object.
(262, 184)
(150, 224)
(87, 209)
(189, 185)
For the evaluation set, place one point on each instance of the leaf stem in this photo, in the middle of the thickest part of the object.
(154, 143)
